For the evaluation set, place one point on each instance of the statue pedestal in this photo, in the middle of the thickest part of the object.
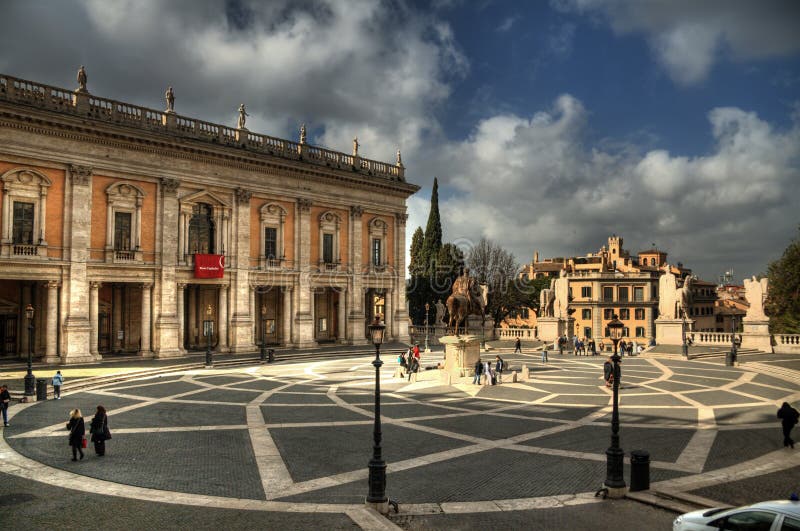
(551, 328)
(755, 334)
(670, 331)
(460, 355)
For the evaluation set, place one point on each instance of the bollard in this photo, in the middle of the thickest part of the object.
(41, 389)
(640, 470)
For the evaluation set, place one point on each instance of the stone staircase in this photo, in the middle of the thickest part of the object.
(781, 373)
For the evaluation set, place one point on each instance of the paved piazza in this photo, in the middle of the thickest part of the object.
(297, 437)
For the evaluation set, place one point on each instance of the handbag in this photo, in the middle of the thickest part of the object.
(83, 443)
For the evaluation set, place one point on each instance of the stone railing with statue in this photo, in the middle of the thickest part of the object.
(84, 105)
(524, 334)
(714, 338)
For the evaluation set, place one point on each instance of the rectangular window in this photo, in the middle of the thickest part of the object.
(271, 242)
(608, 314)
(327, 248)
(639, 314)
(525, 313)
(626, 332)
(624, 313)
(587, 331)
(122, 231)
(719, 319)
(23, 223)
(608, 294)
(376, 252)
(586, 292)
(639, 331)
(586, 313)
(638, 294)
(623, 294)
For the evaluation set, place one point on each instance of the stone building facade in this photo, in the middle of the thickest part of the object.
(110, 214)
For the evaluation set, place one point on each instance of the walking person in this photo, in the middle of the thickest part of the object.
(99, 431)
(478, 372)
(77, 430)
(5, 400)
(58, 381)
(518, 346)
(498, 368)
(487, 371)
(544, 354)
(789, 417)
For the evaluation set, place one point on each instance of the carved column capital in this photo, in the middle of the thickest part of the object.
(147, 285)
(181, 285)
(243, 196)
(95, 285)
(81, 175)
(356, 211)
(53, 284)
(170, 185)
(401, 218)
(304, 204)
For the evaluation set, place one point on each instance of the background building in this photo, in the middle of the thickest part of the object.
(128, 229)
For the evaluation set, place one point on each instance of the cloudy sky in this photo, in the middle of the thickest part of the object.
(549, 125)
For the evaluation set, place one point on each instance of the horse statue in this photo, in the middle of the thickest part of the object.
(546, 298)
(684, 296)
(467, 299)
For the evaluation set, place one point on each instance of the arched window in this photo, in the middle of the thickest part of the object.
(201, 229)
(652, 261)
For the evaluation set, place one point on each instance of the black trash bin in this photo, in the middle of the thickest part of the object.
(41, 389)
(640, 470)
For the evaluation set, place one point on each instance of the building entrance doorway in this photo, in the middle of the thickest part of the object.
(119, 319)
(269, 316)
(8, 335)
(326, 323)
(200, 304)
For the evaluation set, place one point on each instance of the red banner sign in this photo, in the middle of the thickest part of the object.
(209, 265)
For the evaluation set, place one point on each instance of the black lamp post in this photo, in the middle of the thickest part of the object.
(734, 341)
(427, 309)
(209, 330)
(263, 333)
(377, 466)
(30, 380)
(683, 336)
(615, 483)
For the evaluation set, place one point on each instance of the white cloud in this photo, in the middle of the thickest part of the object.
(688, 37)
(536, 183)
(506, 25)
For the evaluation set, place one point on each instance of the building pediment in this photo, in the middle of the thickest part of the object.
(204, 196)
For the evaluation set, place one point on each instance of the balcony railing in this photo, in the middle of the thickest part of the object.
(22, 249)
(124, 256)
(103, 109)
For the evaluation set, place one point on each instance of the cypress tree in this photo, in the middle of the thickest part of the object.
(414, 264)
(433, 233)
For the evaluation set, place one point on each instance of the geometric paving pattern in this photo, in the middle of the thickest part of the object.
(275, 436)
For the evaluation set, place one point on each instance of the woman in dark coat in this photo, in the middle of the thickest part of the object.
(100, 432)
(76, 432)
(608, 372)
(789, 417)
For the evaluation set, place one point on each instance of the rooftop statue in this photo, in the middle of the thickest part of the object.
(242, 117)
(303, 134)
(170, 96)
(355, 146)
(82, 79)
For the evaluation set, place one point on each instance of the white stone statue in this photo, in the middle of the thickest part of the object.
(755, 291)
(440, 308)
(242, 117)
(684, 296)
(170, 96)
(561, 289)
(303, 134)
(355, 146)
(667, 294)
(82, 79)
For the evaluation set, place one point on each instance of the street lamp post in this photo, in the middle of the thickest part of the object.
(427, 309)
(30, 380)
(208, 326)
(376, 496)
(263, 333)
(615, 483)
(683, 336)
(733, 339)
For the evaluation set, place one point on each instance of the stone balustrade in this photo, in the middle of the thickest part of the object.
(713, 338)
(524, 334)
(787, 343)
(102, 109)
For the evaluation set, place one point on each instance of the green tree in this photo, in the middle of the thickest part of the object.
(433, 232)
(414, 264)
(783, 299)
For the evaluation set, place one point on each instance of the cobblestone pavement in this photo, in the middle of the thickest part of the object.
(295, 438)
